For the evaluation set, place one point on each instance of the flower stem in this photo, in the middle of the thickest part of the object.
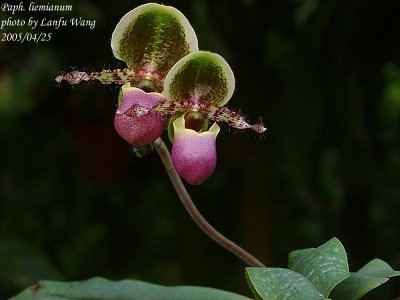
(163, 152)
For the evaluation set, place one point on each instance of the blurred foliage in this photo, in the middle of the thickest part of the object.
(325, 76)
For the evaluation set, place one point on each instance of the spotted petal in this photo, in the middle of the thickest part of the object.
(153, 37)
(230, 117)
(200, 77)
(117, 76)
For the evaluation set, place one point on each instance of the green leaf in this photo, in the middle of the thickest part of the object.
(103, 289)
(280, 284)
(152, 38)
(200, 76)
(324, 266)
(370, 276)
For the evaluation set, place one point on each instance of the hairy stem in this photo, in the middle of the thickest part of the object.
(194, 212)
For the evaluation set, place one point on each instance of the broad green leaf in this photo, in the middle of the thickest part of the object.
(102, 289)
(200, 77)
(370, 276)
(324, 266)
(152, 38)
(280, 284)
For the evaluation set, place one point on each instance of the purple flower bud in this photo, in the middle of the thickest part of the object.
(194, 154)
(139, 130)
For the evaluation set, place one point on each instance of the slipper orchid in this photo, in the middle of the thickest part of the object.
(150, 39)
(196, 90)
(167, 77)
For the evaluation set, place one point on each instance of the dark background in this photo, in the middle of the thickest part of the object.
(325, 77)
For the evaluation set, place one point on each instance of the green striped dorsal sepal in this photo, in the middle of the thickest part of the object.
(200, 77)
(152, 38)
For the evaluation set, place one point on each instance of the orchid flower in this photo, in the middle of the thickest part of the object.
(150, 39)
(196, 90)
(168, 78)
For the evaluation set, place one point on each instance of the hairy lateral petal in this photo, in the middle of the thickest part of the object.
(162, 108)
(194, 154)
(153, 37)
(230, 117)
(201, 77)
(73, 77)
(117, 76)
(172, 108)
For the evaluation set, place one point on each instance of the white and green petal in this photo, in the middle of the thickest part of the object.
(200, 77)
(152, 38)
